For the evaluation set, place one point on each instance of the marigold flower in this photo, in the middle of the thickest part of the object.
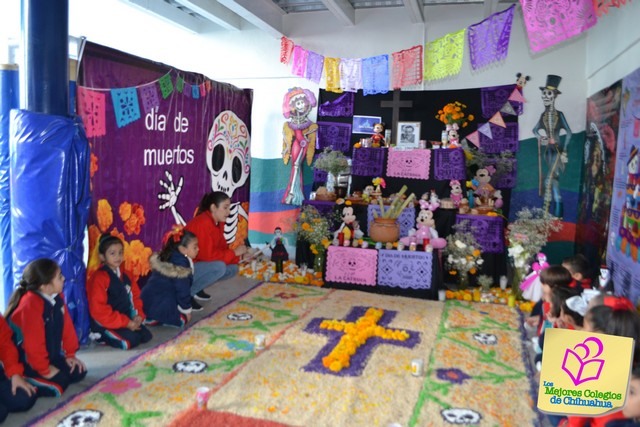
(105, 215)
(94, 165)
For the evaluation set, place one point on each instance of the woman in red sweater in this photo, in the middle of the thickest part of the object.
(215, 260)
(47, 338)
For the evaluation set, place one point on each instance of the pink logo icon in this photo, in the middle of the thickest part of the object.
(581, 364)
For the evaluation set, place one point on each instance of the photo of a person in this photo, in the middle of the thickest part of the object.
(408, 134)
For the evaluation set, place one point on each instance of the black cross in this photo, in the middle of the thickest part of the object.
(396, 104)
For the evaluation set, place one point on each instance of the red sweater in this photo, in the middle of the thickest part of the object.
(213, 245)
(593, 421)
(8, 351)
(28, 316)
(100, 309)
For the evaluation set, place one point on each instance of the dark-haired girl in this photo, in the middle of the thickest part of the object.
(47, 339)
(115, 306)
(167, 294)
(215, 261)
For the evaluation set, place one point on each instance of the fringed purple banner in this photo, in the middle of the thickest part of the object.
(405, 269)
(340, 107)
(375, 74)
(489, 39)
(367, 161)
(549, 23)
(319, 176)
(315, 62)
(493, 99)
(448, 164)
(508, 178)
(406, 220)
(334, 135)
(487, 230)
(502, 139)
(149, 96)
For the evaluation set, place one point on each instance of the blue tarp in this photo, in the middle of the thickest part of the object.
(50, 200)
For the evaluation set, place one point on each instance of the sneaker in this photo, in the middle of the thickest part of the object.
(195, 306)
(202, 296)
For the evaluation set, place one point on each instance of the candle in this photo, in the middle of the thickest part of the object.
(503, 282)
(476, 295)
(512, 301)
(442, 295)
(341, 239)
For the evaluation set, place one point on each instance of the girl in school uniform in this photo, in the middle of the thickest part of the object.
(115, 307)
(167, 295)
(46, 337)
(16, 394)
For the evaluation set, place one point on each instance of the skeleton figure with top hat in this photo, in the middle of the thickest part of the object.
(551, 146)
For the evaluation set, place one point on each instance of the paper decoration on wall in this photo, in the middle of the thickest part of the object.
(125, 105)
(351, 74)
(187, 90)
(498, 138)
(179, 84)
(375, 75)
(549, 23)
(149, 97)
(507, 108)
(91, 107)
(299, 61)
(474, 139)
(367, 161)
(299, 139)
(340, 107)
(516, 96)
(449, 163)
(489, 39)
(493, 98)
(352, 265)
(485, 129)
(412, 164)
(602, 6)
(195, 91)
(332, 74)
(443, 57)
(405, 269)
(337, 136)
(315, 63)
(203, 90)
(488, 231)
(286, 49)
(497, 120)
(407, 67)
(166, 85)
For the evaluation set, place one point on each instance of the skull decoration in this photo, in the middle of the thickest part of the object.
(460, 416)
(239, 316)
(486, 339)
(228, 157)
(548, 97)
(190, 366)
(81, 418)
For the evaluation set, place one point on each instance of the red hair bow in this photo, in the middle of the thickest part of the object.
(619, 303)
(176, 233)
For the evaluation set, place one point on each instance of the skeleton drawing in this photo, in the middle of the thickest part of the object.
(547, 130)
(229, 162)
(299, 139)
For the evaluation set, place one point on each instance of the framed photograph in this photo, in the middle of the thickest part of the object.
(364, 124)
(408, 135)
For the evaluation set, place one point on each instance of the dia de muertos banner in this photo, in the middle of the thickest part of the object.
(160, 139)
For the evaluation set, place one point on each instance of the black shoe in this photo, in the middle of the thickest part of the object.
(195, 306)
(202, 296)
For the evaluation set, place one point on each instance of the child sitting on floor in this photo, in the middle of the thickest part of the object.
(115, 306)
(47, 339)
(167, 295)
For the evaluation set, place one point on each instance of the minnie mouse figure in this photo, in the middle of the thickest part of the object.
(425, 228)
(456, 192)
(452, 136)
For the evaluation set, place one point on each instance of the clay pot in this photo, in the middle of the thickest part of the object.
(384, 230)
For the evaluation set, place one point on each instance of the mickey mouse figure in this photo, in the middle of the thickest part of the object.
(521, 81)
(349, 227)
(425, 228)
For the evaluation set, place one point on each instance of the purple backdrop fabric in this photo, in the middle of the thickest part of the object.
(175, 140)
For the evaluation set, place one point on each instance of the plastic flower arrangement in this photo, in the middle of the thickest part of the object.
(463, 254)
(332, 161)
(313, 228)
(525, 237)
(379, 182)
(452, 113)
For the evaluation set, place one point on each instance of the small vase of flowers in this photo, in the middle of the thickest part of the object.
(334, 163)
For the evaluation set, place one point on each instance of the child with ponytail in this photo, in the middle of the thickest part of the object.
(167, 295)
(115, 307)
(47, 339)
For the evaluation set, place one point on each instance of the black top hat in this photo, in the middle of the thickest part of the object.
(553, 82)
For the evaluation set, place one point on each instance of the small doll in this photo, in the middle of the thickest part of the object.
(377, 139)
(278, 246)
(425, 228)
(452, 135)
(604, 278)
(483, 190)
(349, 228)
(531, 286)
(456, 192)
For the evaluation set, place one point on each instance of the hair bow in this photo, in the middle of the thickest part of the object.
(619, 303)
(454, 182)
(491, 169)
(176, 233)
(580, 303)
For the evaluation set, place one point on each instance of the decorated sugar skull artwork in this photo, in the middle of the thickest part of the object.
(81, 418)
(190, 366)
(239, 316)
(228, 160)
(486, 339)
(461, 416)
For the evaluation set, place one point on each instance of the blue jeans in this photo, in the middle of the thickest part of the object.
(206, 273)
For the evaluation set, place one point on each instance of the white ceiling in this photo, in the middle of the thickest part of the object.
(201, 16)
